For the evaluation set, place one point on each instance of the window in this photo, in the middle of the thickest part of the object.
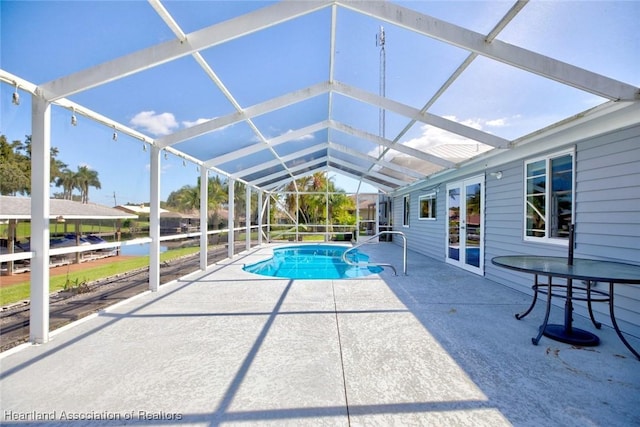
(427, 206)
(405, 211)
(549, 197)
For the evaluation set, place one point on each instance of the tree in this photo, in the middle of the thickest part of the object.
(310, 201)
(68, 180)
(15, 168)
(13, 180)
(217, 197)
(86, 178)
(189, 198)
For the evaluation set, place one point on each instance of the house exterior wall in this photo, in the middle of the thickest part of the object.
(607, 218)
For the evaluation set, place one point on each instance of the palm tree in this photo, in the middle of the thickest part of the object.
(86, 178)
(189, 198)
(240, 197)
(67, 180)
(217, 196)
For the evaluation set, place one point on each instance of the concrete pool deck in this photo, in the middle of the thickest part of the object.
(225, 347)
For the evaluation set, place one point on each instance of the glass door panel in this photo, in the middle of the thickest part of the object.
(473, 229)
(465, 235)
(453, 247)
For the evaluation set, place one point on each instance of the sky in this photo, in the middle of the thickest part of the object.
(44, 41)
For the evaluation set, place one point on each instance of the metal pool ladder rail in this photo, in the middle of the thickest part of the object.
(404, 253)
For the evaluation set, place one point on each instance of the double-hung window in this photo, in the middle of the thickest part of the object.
(427, 206)
(549, 197)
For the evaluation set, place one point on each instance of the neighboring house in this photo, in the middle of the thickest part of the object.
(170, 222)
(523, 201)
(176, 222)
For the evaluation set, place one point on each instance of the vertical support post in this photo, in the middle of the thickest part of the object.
(269, 218)
(260, 212)
(247, 215)
(40, 212)
(357, 234)
(154, 220)
(297, 216)
(204, 216)
(231, 221)
(327, 237)
(11, 238)
(377, 214)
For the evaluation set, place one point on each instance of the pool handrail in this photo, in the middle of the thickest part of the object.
(404, 252)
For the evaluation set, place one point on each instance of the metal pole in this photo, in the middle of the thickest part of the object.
(40, 210)
(154, 220)
(204, 216)
(231, 221)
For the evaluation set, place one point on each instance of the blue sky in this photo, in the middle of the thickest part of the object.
(43, 41)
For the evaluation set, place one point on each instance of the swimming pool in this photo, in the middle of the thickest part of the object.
(313, 262)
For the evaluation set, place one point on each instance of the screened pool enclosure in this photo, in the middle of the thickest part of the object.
(317, 115)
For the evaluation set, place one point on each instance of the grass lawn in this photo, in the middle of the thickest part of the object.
(20, 291)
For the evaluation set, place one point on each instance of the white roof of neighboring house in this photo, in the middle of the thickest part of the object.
(20, 208)
(137, 209)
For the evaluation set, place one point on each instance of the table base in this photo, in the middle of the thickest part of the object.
(576, 336)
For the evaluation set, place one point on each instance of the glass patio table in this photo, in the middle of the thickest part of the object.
(586, 270)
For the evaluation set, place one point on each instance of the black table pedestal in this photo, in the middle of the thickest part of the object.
(577, 336)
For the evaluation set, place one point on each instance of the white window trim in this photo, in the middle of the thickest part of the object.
(406, 216)
(433, 195)
(547, 158)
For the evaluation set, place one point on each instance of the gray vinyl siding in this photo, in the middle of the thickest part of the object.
(423, 236)
(607, 204)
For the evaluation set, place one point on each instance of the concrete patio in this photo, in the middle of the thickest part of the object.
(438, 347)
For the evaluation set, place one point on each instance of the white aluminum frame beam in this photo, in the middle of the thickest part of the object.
(287, 158)
(164, 14)
(424, 117)
(363, 170)
(273, 142)
(387, 143)
(339, 147)
(319, 161)
(315, 166)
(327, 124)
(330, 159)
(279, 184)
(246, 114)
(165, 52)
(508, 17)
(382, 163)
(497, 50)
(315, 90)
(382, 187)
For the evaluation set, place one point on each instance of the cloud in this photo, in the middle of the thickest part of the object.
(497, 122)
(156, 124)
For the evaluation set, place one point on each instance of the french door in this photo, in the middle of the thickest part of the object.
(465, 225)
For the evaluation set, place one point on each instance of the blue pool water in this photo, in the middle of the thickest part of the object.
(313, 262)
